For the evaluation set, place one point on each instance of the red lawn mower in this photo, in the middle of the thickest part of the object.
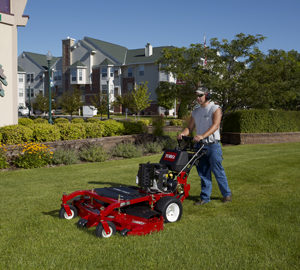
(162, 187)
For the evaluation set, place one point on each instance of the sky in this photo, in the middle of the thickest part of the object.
(133, 23)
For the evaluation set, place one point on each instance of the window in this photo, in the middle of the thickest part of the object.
(80, 74)
(111, 72)
(104, 72)
(5, 6)
(141, 70)
(21, 79)
(74, 75)
(104, 88)
(130, 71)
(116, 72)
(130, 86)
(30, 77)
(57, 75)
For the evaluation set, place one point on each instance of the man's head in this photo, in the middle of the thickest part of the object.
(202, 96)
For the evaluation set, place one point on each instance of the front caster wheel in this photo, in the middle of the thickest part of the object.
(63, 213)
(170, 208)
(100, 232)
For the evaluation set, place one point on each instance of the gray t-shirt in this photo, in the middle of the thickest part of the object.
(203, 117)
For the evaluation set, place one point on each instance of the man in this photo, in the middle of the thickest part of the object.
(207, 118)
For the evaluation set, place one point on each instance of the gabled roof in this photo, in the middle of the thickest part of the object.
(40, 59)
(20, 69)
(117, 52)
(138, 55)
(78, 64)
(107, 62)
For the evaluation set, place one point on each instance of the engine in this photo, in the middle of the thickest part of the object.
(155, 177)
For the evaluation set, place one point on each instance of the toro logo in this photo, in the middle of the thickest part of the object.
(169, 156)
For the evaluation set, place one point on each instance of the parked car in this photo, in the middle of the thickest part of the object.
(23, 110)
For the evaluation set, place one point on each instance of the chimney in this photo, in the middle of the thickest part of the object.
(148, 50)
(67, 44)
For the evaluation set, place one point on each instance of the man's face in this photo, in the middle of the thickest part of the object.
(200, 98)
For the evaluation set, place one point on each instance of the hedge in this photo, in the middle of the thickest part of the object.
(46, 133)
(262, 121)
(72, 131)
(16, 134)
(42, 132)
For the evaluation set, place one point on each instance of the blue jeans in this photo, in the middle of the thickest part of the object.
(212, 162)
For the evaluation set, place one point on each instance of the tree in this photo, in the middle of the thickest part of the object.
(273, 80)
(222, 72)
(100, 102)
(41, 103)
(71, 101)
(140, 97)
(228, 64)
(166, 95)
(125, 100)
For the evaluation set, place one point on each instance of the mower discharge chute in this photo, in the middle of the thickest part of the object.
(162, 187)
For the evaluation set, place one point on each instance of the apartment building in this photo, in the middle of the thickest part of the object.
(94, 66)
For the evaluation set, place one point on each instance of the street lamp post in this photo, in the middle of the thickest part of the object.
(49, 57)
(29, 103)
(107, 99)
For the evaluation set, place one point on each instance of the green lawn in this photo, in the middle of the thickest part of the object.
(260, 229)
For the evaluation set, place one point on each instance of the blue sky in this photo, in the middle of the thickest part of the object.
(134, 23)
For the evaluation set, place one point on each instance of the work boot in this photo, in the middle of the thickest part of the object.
(226, 199)
(200, 202)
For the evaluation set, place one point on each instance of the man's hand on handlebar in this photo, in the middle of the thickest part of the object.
(198, 138)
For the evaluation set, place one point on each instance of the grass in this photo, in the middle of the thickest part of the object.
(260, 229)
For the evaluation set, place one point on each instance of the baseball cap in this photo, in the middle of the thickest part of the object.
(199, 91)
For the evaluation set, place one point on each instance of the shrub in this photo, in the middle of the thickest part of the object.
(176, 122)
(34, 155)
(72, 131)
(94, 130)
(61, 121)
(168, 143)
(0, 136)
(3, 159)
(40, 121)
(153, 147)
(146, 122)
(257, 121)
(65, 156)
(16, 134)
(158, 124)
(77, 121)
(93, 120)
(113, 128)
(25, 122)
(134, 127)
(127, 150)
(46, 133)
(93, 153)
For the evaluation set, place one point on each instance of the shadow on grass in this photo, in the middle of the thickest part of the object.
(197, 198)
(53, 213)
(110, 184)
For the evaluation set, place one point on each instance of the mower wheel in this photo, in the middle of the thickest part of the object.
(170, 208)
(100, 232)
(63, 213)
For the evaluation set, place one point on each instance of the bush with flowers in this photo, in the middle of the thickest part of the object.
(33, 155)
(3, 159)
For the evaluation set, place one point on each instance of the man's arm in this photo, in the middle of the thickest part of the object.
(187, 130)
(217, 116)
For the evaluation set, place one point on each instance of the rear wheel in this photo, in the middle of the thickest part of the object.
(100, 232)
(170, 208)
(63, 213)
